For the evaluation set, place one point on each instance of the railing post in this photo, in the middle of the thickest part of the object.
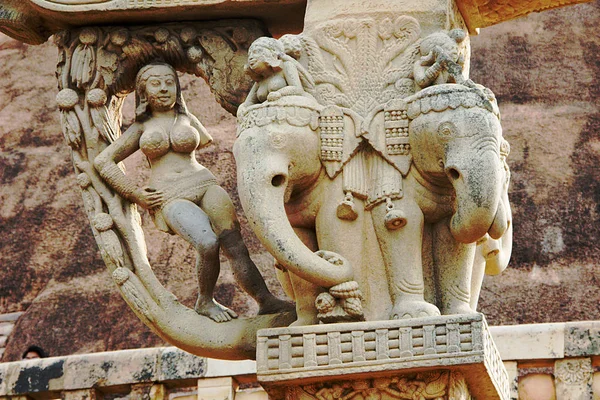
(83, 394)
(573, 378)
(513, 378)
(217, 388)
(148, 391)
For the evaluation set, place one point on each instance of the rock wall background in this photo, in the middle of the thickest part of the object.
(545, 71)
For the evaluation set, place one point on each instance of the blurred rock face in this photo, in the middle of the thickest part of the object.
(545, 71)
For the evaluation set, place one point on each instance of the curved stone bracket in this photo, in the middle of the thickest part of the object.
(97, 67)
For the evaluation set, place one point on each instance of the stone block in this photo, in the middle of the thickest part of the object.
(10, 317)
(216, 388)
(537, 387)
(175, 364)
(530, 341)
(291, 358)
(582, 339)
(6, 328)
(216, 367)
(78, 372)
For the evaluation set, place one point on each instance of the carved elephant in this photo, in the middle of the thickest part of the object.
(422, 175)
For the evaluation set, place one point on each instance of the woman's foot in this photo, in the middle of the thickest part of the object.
(214, 310)
(273, 305)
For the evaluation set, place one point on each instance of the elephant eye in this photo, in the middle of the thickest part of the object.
(446, 129)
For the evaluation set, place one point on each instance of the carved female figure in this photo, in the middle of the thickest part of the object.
(182, 195)
(274, 69)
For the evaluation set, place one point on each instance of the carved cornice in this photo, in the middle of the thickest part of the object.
(484, 13)
(33, 21)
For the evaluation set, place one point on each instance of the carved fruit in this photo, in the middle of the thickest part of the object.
(88, 36)
(345, 290)
(119, 37)
(96, 98)
(103, 222)
(194, 54)
(353, 306)
(188, 34)
(83, 180)
(67, 99)
(324, 303)
(120, 275)
(161, 35)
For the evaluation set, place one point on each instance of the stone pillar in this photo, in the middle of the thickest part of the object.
(573, 379)
(217, 388)
(513, 378)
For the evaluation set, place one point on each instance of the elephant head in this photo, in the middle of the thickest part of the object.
(277, 157)
(455, 137)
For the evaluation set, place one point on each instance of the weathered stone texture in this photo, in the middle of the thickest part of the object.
(545, 70)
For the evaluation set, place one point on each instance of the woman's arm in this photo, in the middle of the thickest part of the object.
(205, 138)
(292, 75)
(106, 165)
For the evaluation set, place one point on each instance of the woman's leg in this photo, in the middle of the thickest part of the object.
(219, 208)
(191, 223)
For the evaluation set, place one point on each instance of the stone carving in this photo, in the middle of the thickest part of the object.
(33, 21)
(183, 197)
(451, 353)
(417, 177)
(97, 68)
(577, 371)
(436, 385)
(440, 60)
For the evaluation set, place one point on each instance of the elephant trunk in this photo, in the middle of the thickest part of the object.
(478, 189)
(263, 186)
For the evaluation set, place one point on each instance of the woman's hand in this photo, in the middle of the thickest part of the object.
(149, 198)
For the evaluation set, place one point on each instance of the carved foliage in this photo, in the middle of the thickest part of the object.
(109, 58)
(435, 385)
(362, 63)
(575, 371)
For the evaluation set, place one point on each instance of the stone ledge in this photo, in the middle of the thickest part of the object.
(301, 355)
(114, 369)
(547, 341)
(11, 317)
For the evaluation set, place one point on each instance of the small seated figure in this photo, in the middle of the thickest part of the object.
(183, 196)
(440, 61)
(275, 71)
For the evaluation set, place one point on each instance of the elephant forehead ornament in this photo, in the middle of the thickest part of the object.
(423, 181)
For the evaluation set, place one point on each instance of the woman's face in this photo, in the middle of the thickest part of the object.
(161, 88)
(258, 59)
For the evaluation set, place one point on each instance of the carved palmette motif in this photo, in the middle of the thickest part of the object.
(362, 63)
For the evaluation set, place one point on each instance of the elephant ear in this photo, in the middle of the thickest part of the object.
(393, 142)
(339, 142)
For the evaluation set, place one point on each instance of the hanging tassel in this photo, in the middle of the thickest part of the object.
(346, 209)
(394, 219)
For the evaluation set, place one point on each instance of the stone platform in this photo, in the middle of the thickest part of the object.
(436, 356)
